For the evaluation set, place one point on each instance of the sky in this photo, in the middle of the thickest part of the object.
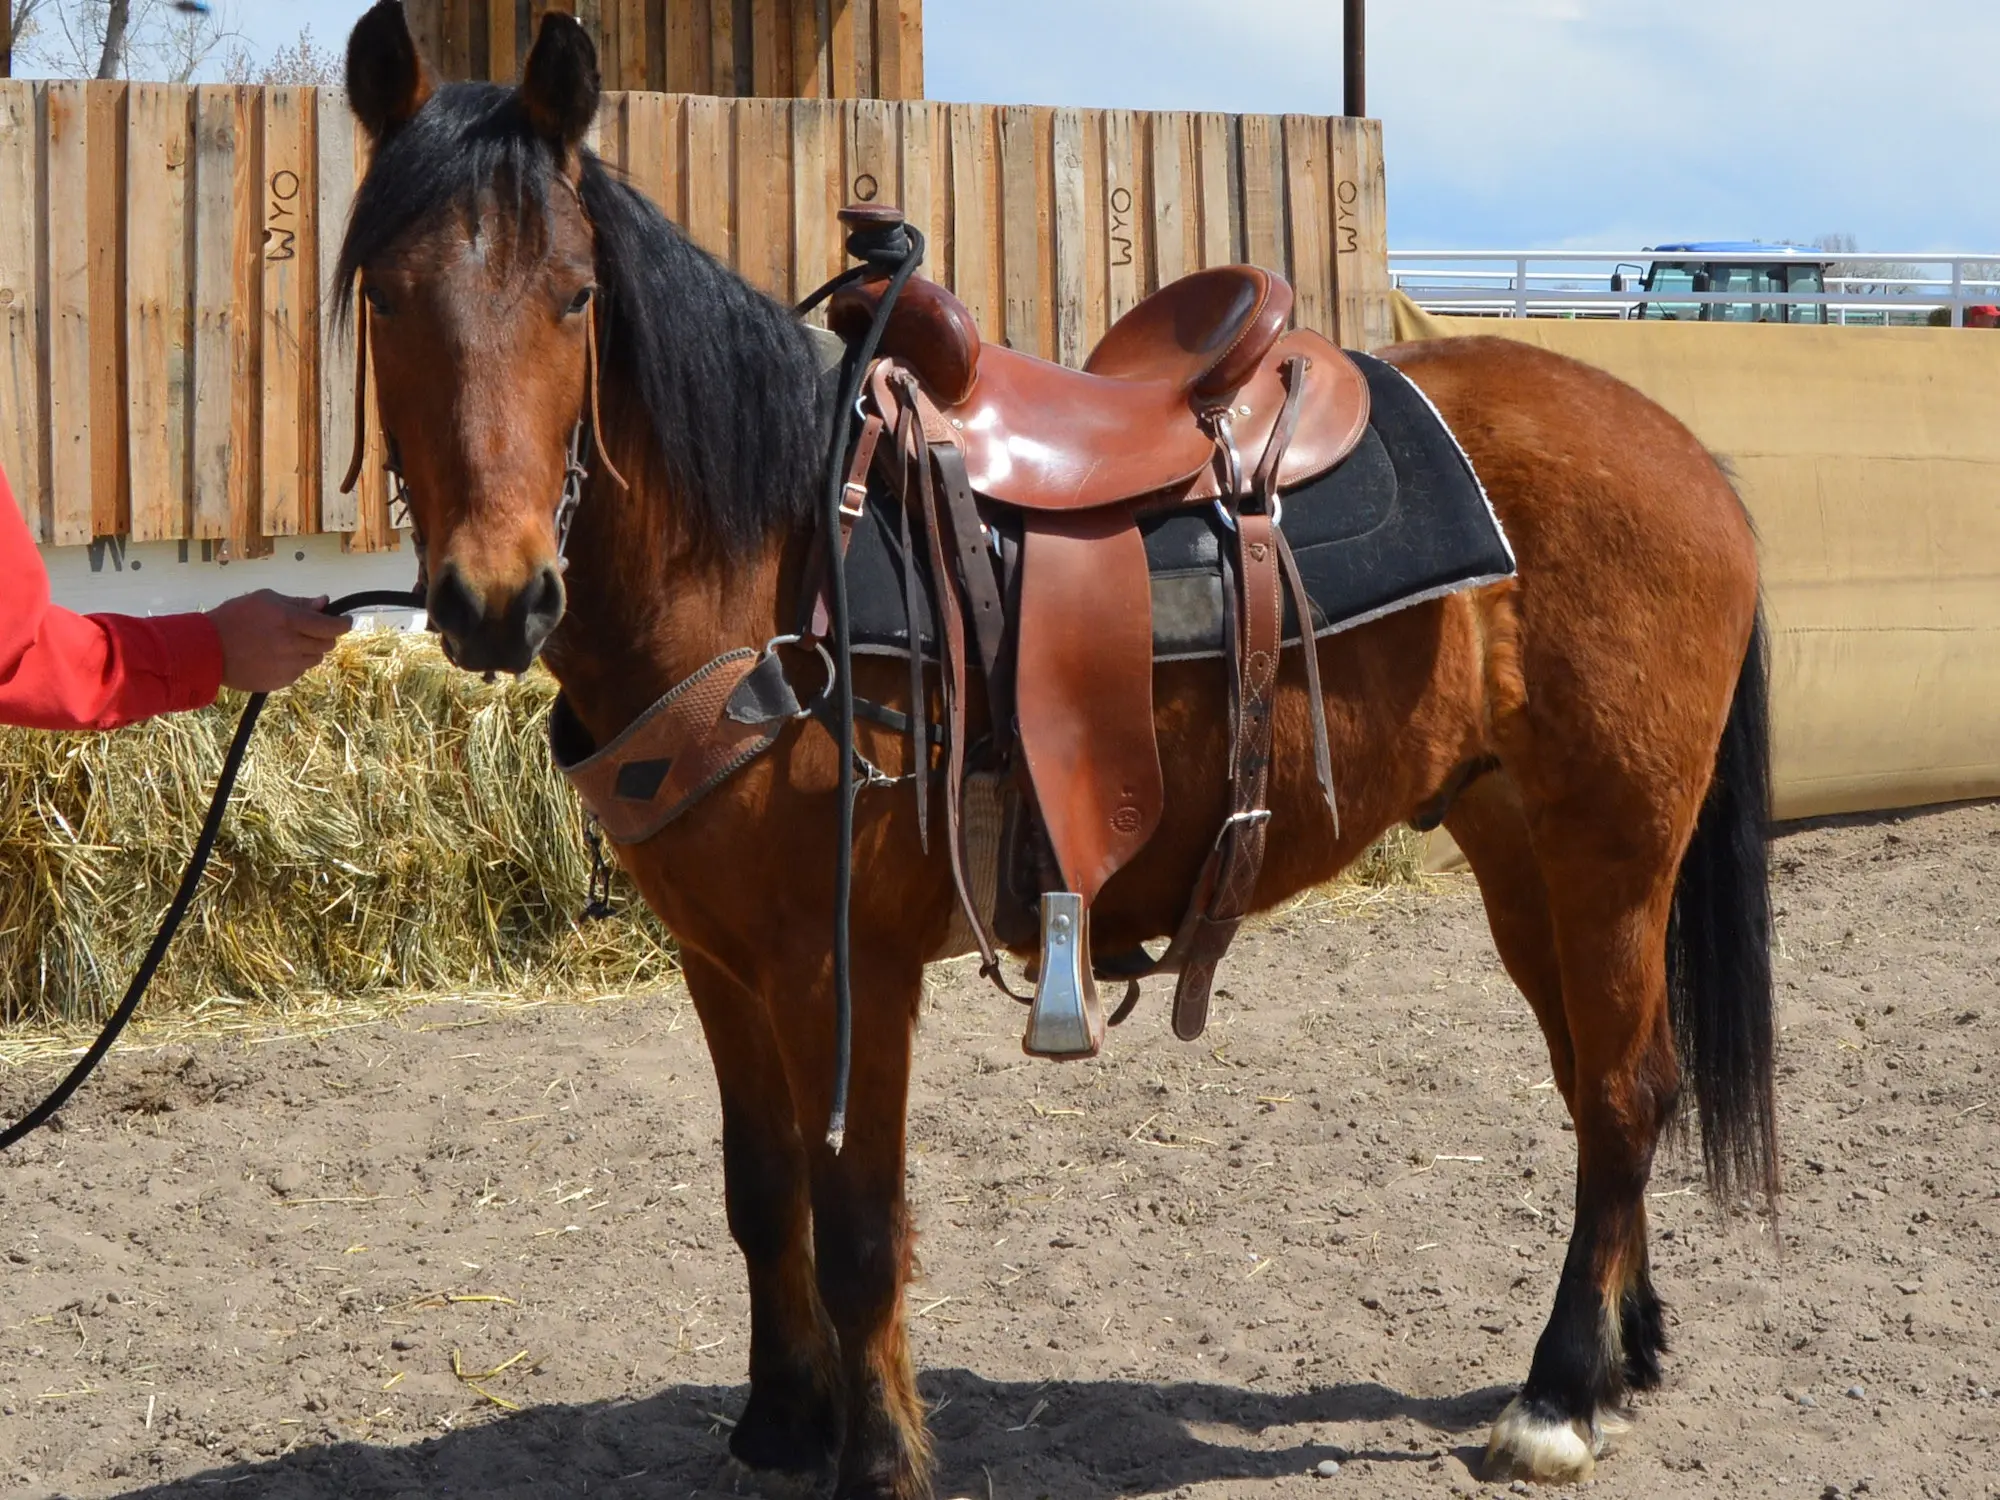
(1509, 124)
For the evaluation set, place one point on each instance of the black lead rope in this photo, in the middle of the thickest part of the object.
(900, 246)
(211, 826)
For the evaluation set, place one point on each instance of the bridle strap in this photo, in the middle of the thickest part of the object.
(360, 390)
(596, 425)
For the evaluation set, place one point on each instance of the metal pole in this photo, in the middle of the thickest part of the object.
(1356, 33)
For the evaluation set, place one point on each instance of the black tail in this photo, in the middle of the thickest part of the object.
(1719, 949)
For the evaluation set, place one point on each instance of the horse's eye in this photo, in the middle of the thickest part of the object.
(377, 302)
(580, 301)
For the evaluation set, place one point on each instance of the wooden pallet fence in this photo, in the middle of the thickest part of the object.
(769, 49)
(166, 368)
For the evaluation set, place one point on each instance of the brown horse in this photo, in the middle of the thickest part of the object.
(1592, 734)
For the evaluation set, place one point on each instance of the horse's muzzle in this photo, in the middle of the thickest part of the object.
(487, 631)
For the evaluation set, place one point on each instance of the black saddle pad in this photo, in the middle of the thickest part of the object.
(1400, 520)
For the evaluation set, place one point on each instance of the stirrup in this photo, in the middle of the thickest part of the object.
(1065, 1021)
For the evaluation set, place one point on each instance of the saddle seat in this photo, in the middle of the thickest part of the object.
(1137, 420)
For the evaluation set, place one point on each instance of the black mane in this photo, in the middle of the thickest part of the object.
(725, 376)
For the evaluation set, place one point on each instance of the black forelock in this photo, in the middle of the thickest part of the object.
(725, 376)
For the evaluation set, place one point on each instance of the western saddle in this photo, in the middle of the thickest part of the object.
(1026, 482)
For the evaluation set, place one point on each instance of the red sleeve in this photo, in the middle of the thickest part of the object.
(60, 670)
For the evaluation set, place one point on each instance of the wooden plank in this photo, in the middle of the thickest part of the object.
(1309, 221)
(809, 49)
(336, 180)
(1175, 197)
(910, 48)
(1263, 191)
(874, 154)
(1045, 232)
(764, 195)
(764, 32)
(647, 148)
(224, 477)
(455, 61)
(66, 119)
(1127, 217)
(707, 174)
(590, 15)
(724, 76)
(291, 263)
(975, 212)
(888, 50)
(926, 141)
(688, 68)
(246, 476)
(899, 49)
(864, 49)
(1215, 144)
(503, 42)
(1361, 235)
(110, 452)
(427, 29)
(1020, 232)
(24, 366)
(634, 43)
(817, 250)
(158, 167)
(1071, 242)
(606, 135)
(841, 61)
(1096, 242)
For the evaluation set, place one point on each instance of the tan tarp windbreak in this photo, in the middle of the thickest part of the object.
(1870, 461)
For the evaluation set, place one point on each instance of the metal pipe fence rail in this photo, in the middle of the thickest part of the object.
(1508, 283)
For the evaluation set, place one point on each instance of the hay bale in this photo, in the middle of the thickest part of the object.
(398, 826)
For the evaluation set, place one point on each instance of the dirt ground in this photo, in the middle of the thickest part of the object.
(1329, 1232)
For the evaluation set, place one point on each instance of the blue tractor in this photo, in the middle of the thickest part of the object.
(1707, 266)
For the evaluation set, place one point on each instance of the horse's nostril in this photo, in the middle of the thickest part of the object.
(544, 595)
(454, 608)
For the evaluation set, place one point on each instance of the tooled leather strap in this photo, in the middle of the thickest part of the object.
(1228, 885)
(951, 636)
(705, 729)
(975, 570)
(1295, 370)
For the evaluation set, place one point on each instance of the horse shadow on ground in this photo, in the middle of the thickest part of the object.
(1012, 1440)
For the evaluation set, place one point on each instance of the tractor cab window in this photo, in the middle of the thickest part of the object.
(1665, 279)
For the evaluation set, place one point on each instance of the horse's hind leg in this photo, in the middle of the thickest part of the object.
(1491, 830)
(1609, 907)
(792, 1421)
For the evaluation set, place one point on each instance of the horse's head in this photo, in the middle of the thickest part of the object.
(475, 266)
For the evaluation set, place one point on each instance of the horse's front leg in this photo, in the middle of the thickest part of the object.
(792, 1420)
(863, 1233)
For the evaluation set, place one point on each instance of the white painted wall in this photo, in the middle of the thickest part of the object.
(159, 578)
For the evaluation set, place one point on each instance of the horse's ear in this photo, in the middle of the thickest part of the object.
(387, 81)
(559, 83)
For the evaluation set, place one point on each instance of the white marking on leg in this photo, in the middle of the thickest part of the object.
(1525, 1446)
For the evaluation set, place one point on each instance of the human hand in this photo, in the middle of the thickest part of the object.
(270, 640)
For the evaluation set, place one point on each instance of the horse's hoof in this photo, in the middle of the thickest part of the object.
(1527, 1444)
(897, 1478)
(796, 1436)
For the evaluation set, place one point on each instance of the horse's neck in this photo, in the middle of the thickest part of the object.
(646, 607)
